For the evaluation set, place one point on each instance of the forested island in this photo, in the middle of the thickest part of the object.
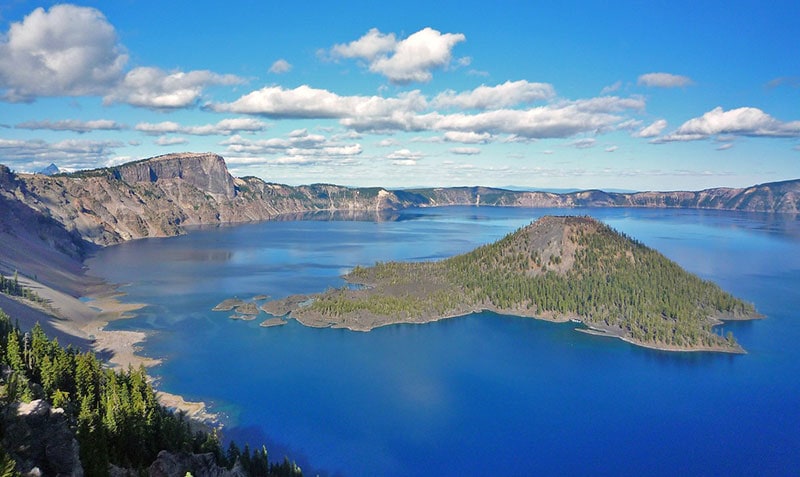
(557, 268)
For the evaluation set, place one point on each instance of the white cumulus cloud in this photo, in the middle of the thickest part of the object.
(651, 130)
(64, 51)
(405, 154)
(663, 80)
(465, 151)
(611, 88)
(410, 111)
(744, 121)
(74, 51)
(307, 102)
(154, 88)
(415, 57)
(510, 93)
(170, 141)
(402, 61)
(296, 144)
(467, 137)
(225, 127)
(552, 121)
(368, 47)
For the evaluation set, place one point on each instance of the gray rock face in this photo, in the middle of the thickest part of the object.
(206, 171)
(39, 439)
(158, 197)
(200, 465)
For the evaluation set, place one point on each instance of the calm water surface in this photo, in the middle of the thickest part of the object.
(483, 394)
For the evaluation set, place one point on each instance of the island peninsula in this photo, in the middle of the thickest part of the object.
(558, 269)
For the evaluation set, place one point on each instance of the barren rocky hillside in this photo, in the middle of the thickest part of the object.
(157, 197)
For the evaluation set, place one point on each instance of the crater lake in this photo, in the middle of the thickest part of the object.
(483, 394)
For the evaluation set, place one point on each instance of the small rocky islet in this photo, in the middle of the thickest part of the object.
(245, 310)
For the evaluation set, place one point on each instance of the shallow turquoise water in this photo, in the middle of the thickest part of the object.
(483, 394)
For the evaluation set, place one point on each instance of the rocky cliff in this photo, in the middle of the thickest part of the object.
(206, 172)
(157, 197)
(38, 437)
(781, 197)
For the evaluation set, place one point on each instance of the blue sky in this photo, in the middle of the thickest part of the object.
(638, 95)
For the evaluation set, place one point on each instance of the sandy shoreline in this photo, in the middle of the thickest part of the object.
(82, 323)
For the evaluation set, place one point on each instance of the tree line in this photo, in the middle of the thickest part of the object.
(12, 286)
(115, 413)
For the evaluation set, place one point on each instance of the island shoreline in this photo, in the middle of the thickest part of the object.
(510, 313)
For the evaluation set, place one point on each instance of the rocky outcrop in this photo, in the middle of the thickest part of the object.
(206, 171)
(170, 464)
(39, 439)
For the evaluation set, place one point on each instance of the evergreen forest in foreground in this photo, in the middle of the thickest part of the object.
(114, 414)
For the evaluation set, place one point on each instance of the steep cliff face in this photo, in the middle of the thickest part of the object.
(783, 197)
(206, 171)
(157, 197)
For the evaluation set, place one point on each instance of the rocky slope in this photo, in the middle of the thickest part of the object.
(157, 197)
(782, 197)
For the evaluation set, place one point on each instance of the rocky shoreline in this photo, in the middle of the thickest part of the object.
(367, 322)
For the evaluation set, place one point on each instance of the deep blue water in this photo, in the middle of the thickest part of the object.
(483, 394)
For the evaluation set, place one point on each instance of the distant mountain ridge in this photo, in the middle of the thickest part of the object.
(50, 170)
(159, 196)
(781, 197)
